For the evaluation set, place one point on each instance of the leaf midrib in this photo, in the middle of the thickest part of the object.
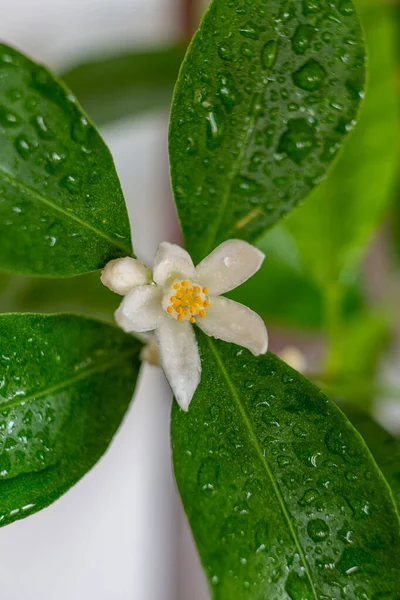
(101, 367)
(234, 172)
(265, 464)
(72, 216)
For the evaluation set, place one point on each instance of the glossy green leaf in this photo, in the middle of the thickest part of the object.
(265, 97)
(62, 211)
(65, 385)
(282, 495)
(334, 226)
(126, 85)
(384, 446)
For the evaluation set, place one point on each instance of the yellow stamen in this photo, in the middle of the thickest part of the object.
(202, 313)
(205, 290)
(185, 283)
(177, 286)
(170, 310)
(192, 320)
(180, 317)
(206, 303)
(196, 289)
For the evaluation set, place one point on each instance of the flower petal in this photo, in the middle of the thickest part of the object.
(232, 322)
(123, 274)
(180, 359)
(141, 309)
(228, 266)
(172, 262)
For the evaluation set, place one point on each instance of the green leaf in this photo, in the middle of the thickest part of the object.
(384, 447)
(265, 97)
(334, 227)
(66, 383)
(126, 85)
(282, 495)
(62, 211)
(83, 295)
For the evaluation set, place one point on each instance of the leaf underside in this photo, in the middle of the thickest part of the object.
(66, 383)
(62, 211)
(282, 495)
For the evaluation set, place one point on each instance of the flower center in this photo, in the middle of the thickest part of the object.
(188, 301)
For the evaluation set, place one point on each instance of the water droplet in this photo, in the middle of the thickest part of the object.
(284, 461)
(246, 50)
(298, 140)
(346, 8)
(311, 7)
(228, 93)
(80, 129)
(318, 530)
(225, 51)
(42, 127)
(356, 560)
(301, 41)
(208, 474)
(8, 118)
(309, 497)
(248, 187)
(339, 442)
(215, 128)
(71, 183)
(261, 537)
(250, 30)
(310, 76)
(24, 147)
(269, 54)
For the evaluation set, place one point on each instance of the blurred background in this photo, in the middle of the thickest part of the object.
(329, 289)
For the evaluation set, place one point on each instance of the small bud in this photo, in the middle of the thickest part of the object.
(123, 274)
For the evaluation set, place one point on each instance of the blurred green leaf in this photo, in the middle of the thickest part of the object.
(283, 293)
(127, 84)
(336, 223)
(265, 97)
(66, 383)
(62, 211)
(273, 481)
(83, 295)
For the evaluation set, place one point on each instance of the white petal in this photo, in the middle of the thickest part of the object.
(141, 309)
(180, 359)
(228, 266)
(123, 274)
(232, 322)
(172, 262)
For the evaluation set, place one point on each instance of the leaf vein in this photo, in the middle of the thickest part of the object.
(265, 464)
(72, 216)
(105, 366)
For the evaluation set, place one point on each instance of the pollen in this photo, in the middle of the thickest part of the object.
(188, 300)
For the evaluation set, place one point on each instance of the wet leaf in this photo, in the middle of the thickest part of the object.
(335, 225)
(282, 495)
(265, 97)
(62, 211)
(126, 85)
(65, 385)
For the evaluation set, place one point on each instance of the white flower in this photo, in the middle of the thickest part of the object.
(181, 295)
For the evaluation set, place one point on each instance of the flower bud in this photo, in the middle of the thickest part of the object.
(123, 274)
